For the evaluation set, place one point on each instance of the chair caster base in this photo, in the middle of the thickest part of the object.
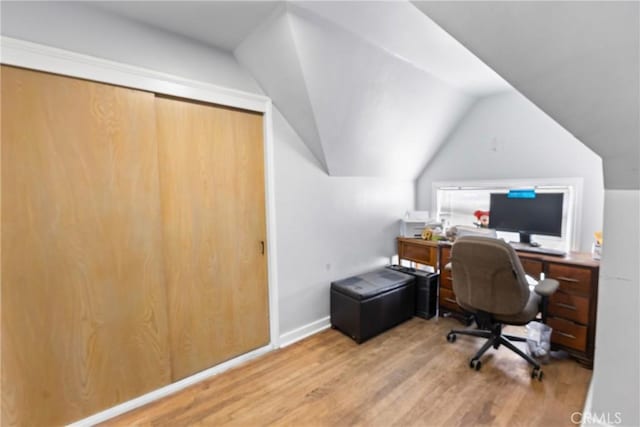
(475, 364)
(537, 373)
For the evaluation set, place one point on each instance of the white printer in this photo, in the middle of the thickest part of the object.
(415, 221)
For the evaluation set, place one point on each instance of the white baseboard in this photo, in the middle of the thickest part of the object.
(169, 389)
(303, 332)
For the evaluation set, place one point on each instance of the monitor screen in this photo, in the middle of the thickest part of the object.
(541, 214)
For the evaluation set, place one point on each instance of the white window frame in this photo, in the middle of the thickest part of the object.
(574, 204)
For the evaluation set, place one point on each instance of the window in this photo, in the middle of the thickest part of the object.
(456, 202)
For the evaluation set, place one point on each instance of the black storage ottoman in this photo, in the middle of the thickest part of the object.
(366, 305)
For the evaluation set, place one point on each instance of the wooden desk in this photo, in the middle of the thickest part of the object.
(571, 311)
(417, 250)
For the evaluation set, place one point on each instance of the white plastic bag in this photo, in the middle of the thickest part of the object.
(539, 340)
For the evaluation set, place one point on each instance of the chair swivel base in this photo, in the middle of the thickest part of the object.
(495, 338)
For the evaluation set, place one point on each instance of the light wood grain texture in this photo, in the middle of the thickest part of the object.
(1, 365)
(408, 376)
(84, 322)
(213, 206)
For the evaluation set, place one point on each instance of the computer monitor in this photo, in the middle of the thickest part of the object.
(540, 213)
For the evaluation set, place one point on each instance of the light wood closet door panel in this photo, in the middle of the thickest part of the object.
(84, 322)
(213, 205)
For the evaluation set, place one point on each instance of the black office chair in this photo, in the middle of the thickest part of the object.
(489, 282)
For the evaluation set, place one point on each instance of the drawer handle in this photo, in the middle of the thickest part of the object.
(567, 279)
(565, 335)
(567, 306)
(451, 300)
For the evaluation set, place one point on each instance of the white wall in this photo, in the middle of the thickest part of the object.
(616, 375)
(362, 110)
(505, 136)
(327, 228)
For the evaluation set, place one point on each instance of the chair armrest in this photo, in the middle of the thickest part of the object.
(546, 287)
(448, 266)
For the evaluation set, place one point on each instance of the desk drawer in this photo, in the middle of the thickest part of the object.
(572, 279)
(421, 254)
(568, 334)
(569, 306)
(445, 254)
(447, 299)
(445, 280)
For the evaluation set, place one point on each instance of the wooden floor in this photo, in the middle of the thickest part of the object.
(407, 376)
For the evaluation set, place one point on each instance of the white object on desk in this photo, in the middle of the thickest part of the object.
(413, 228)
(417, 216)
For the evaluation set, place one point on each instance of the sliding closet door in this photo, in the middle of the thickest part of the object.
(213, 208)
(84, 323)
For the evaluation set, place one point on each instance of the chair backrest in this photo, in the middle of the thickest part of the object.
(487, 275)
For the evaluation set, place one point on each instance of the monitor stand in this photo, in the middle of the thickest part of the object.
(525, 240)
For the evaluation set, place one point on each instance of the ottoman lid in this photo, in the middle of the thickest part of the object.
(371, 284)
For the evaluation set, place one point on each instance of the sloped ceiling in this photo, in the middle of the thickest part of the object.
(578, 61)
(218, 23)
(270, 53)
(373, 88)
(365, 102)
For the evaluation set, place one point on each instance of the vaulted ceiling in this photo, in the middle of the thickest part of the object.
(374, 88)
(579, 61)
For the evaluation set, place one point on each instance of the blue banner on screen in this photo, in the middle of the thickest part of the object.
(522, 194)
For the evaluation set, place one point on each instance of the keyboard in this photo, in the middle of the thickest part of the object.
(539, 250)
